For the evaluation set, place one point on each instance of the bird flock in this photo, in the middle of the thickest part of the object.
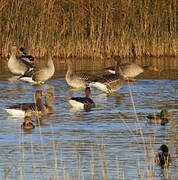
(25, 69)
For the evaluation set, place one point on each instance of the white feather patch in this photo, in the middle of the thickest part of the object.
(15, 112)
(76, 104)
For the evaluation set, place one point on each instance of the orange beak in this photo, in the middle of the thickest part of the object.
(54, 96)
(54, 47)
(62, 61)
(155, 69)
(43, 93)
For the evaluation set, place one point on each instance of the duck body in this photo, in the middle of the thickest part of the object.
(27, 124)
(163, 158)
(160, 118)
(24, 56)
(157, 119)
(108, 83)
(16, 65)
(41, 74)
(83, 102)
(28, 109)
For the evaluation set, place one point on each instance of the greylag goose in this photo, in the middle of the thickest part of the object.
(160, 118)
(130, 70)
(29, 109)
(83, 102)
(163, 157)
(27, 124)
(76, 80)
(41, 74)
(48, 105)
(16, 65)
(109, 82)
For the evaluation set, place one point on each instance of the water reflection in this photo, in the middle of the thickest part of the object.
(113, 140)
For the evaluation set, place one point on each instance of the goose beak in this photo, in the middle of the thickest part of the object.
(43, 93)
(54, 96)
(54, 47)
(155, 69)
(62, 61)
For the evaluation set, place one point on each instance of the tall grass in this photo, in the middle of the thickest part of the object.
(97, 28)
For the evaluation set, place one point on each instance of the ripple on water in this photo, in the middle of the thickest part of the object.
(110, 137)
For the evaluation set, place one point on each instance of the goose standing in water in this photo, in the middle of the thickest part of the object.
(76, 80)
(16, 65)
(109, 82)
(27, 124)
(163, 157)
(130, 70)
(48, 105)
(29, 109)
(83, 102)
(41, 74)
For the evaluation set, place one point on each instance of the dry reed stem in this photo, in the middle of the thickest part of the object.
(33, 158)
(55, 153)
(20, 151)
(23, 153)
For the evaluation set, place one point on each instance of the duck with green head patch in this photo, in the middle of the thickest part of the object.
(160, 118)
(24, 55)
(17, 65)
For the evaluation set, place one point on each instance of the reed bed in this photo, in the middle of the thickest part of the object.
(94, 28)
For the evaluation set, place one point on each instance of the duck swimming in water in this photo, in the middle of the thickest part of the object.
(27, 124)
(160, 118)
(163, 157)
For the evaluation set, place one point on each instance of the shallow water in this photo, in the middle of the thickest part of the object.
(113, 140)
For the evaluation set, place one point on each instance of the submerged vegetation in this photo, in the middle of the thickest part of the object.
(90, 28)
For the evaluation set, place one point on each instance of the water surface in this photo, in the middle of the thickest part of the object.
(113, 140)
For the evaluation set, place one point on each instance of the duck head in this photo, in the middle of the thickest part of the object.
(164, 149)
(163, 113)
(87, 92)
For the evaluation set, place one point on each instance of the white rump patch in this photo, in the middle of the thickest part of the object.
(15, 112)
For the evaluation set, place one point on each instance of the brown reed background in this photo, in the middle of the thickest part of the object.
(90, 28)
